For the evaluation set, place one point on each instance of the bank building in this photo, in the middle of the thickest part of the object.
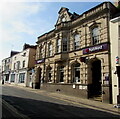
(74, 57)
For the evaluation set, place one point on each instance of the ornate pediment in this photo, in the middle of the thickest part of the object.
(65, 15)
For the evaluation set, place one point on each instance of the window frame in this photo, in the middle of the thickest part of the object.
(22, 78)
(76, 47)
(58, 45)
(95, 35)
(40, 52)
(65, 44)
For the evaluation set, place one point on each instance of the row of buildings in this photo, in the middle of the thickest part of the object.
(18, 68)
(80, 56)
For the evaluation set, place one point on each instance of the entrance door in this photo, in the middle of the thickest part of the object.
(96, 79)
(38, 82)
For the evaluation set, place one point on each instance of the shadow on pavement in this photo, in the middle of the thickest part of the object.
(40, 109)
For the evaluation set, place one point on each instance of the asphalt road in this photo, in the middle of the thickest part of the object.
(21, 103)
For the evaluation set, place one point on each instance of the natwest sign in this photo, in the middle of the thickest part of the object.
(97, 48)
(40, 61)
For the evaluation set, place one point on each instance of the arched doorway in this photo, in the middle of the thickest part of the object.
(94, 78)
(38, 77)
(76, 72)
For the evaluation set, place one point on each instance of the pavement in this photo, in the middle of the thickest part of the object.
(75, 100)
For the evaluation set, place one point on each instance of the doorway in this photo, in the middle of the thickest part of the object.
(38, 82)
(94, 88)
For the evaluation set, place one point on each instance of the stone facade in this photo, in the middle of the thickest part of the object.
(74, 57)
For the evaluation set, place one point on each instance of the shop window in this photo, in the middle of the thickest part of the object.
(58, 45)
(12, 78)
(50, 49)
(65, 44)
(21, 77)
(76, 41)
(95, 36)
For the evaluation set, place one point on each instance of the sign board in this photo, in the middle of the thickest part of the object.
(40, 61)
(94, 49)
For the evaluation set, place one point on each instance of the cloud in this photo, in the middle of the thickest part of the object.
(16, 25)
(15, 10)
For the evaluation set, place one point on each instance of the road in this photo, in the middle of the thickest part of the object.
(18, 102)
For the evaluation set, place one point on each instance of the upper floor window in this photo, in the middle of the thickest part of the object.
(23, 63)
(95, 36)
(76, 41)
(18, 64)
(58, 45)
(50, 49)
(40, 52)
(65, 44)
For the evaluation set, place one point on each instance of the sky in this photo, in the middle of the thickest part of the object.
(23, 21)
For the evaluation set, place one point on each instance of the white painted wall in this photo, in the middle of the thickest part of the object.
(115, 51)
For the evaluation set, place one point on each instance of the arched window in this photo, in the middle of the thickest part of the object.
(58, 45)
(50, 49)
(76, 72)
(76, 41)
(95, 36)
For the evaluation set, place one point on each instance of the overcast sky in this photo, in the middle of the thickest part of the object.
(22, 22)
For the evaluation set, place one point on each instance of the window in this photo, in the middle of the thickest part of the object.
(49, 72)
(50, 49)
(61, 74)
(76, 41)
(40, 52)
(21, 77)
(23, 63)
(95, 36)
(76, 73)
(64, 41)
(58, 45)
(12, 78)
(18, 64)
